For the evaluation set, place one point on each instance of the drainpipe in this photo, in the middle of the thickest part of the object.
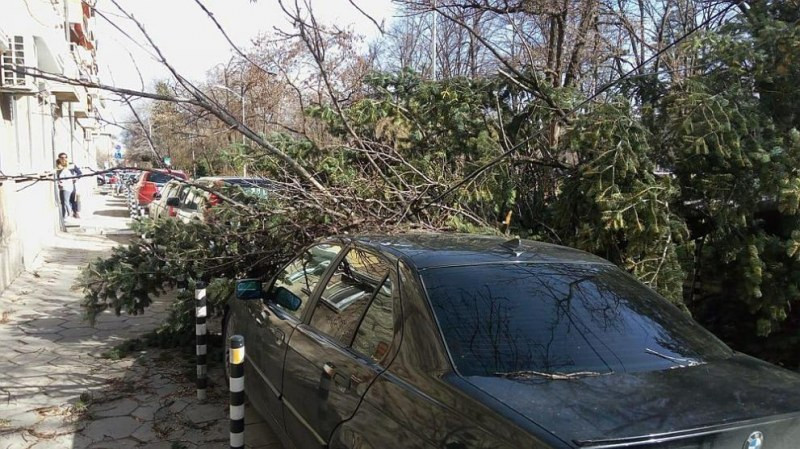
(66, 20)
(44, 134)
(61, 225)
(15, 117)
(30, 133)
(71, 132)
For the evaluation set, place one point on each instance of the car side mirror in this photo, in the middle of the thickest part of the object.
(157, 196)
(286, 299)
(249, 289)
(173, 202)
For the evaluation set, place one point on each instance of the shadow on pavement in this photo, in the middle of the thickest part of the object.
(154, 405)
(122, 213)
(63, 386)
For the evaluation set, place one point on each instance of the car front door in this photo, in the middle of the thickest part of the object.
(331, 361)
(272, 321)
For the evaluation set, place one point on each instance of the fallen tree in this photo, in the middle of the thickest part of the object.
(686, 178)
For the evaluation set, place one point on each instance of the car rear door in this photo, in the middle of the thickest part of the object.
(271, 322)
(158, 207)
(189, 205)
(331, 361)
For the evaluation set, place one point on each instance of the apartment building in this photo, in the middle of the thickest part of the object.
(41, 118)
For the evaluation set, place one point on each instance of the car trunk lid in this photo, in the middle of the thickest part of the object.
(716, 405)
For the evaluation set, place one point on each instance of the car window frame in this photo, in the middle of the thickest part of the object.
(396, 308)
(167, 191)
(191, 191)
(396, 304)
(305, 317)
(182, 194)
(327, 279)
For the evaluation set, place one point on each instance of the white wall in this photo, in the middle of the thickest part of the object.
(34, 128)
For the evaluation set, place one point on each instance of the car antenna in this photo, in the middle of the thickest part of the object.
(515, 245)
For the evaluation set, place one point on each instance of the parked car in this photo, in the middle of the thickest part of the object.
(159, 208)
(455, 341)
(125, 180)
(150, 183)
(194, 203)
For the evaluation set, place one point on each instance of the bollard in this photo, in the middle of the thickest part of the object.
(200, 332)
(236, 383)
(181, 283)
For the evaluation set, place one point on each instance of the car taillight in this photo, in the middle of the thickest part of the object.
(213, 200)
(172, 212)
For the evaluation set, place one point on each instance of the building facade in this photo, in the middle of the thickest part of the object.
(40, 119)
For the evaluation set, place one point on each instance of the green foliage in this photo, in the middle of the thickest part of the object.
(615, 205)
(730, 137)
(229, 245)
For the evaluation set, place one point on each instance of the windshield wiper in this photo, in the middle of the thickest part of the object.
(681, 361)
(553, 376)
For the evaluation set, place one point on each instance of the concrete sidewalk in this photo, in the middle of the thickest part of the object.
(59, 388)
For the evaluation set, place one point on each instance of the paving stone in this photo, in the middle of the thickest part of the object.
(145, 412)
(201, 413)
(25, 418)
(76, 322)
(77, 332)
(116, 444)
(17, 441)
(145, 433)
(162, 445)
(53, 426)
(179, 405)
(115, 428)
(121, 407)
(44, 324)
(59, 442)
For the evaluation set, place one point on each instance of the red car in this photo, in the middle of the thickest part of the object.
(151, 182)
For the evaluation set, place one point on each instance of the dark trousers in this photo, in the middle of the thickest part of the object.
(74, 202)
(62, 196)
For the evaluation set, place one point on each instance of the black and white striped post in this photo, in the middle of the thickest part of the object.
(236, 383)
(181, 283)
(200, 332)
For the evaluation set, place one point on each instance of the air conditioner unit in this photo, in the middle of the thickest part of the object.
(11, 58)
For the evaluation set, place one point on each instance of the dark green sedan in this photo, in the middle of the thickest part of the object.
(457, 341)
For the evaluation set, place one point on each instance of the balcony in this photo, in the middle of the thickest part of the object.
(63, 92)
(78, 14)
(80, 108)
(84, 58)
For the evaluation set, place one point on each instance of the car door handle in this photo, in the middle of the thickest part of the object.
(264, 315)
(278, 334)
(329, 369)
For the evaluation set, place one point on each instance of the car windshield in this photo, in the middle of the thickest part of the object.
(560, 321)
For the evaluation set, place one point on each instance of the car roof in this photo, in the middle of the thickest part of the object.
(237, 180)
(431, 250)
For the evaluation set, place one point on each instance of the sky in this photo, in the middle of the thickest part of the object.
(191, 41)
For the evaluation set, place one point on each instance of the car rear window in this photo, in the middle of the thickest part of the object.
(559, 321)
(254, 187)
